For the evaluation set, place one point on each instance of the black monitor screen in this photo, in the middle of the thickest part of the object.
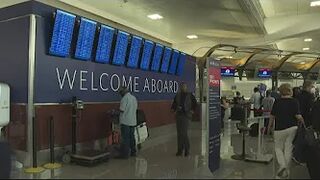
(182, 61)
(136, 44)
(264, 73)
(227, 71)
(156, 62)
(62, 34)
(166, 60)
(103, 52)
(146, 55)
(119, 56)
(85, 39)
(174, 62)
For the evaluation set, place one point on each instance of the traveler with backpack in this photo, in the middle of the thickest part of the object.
(286, 120)
(306, 99)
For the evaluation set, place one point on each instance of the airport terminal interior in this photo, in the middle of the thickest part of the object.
(159, 89)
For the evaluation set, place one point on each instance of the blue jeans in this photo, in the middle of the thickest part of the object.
(128, 142)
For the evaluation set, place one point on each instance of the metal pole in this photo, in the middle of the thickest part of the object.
(34, 144)
(74, 134)
(51, 140)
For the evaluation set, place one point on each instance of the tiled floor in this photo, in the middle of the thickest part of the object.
(157, 160)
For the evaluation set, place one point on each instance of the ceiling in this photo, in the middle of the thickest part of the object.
(272, 24)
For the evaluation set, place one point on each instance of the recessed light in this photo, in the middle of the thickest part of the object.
(314, 3)
(308, 40)
(306, 49)
(192, 36)
(155, 16)
(303, 63)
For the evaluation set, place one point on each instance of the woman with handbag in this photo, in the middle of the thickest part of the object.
(286, 115)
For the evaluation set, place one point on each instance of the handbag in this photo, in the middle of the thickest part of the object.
(141, 133)
(312, 137)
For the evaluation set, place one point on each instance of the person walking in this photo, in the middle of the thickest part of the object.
(183, 105)
(286, 121)
(306, 100)
(256, 100)
(267, 104)
(128, 121)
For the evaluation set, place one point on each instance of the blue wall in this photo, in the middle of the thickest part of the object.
(14, 43)
(50, 71)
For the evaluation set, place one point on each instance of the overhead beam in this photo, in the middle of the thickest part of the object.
(211, 50)
(284, 60)
(313, 65)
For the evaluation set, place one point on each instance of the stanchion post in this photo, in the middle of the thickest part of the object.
(52, 164)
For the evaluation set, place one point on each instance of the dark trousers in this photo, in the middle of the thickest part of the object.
(182, 132)
(313, 162)
(5, 160)
(128, 142)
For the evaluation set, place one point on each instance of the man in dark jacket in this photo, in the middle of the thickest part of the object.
(306, 100)
(5, 160)
(183, 105)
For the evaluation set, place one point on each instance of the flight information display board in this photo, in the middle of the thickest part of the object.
(103, 52)
(182, 61)
(166, 60)
(146, 55)
(134, 55)
(62, 34)
(174, 62)
(120, 51)
(85, 39)
(156, 62)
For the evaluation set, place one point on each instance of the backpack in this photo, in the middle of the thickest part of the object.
(315, 114)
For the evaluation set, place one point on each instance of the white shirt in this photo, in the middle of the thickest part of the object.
(128, 106)
(255, 100)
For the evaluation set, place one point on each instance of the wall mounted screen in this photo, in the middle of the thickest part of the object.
(174, 62)
(119, 55)
(62, 34)
(104, 44)
(85, 39)
(158, 51)
(166, 60)
(182, 61)
(264, 73)
(136, 43)
(146, 55)
(227, 71)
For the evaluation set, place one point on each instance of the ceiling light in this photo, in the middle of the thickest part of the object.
(306, 49)
(155, 16)
(315, 3)
(230, 57)
(308, 40)
(303, 63)
(192, 36)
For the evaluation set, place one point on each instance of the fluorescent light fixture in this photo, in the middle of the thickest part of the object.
(315, 3)
(303, 63)
(192, 36)
(308, 40)
(155, 16)
(230, 57)
(306, 49)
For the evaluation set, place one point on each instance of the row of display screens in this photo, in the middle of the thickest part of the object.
(230, 72)
(114, 46)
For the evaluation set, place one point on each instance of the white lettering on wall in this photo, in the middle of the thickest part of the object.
(146, 85)
(92, 82)
(101, 85)
(117, 82)
(165, 87)
(153, 85)
(159, 86)
(170, 86)
(82, 79)
(136, 84)
(176, 86)
(127, 84)
(66, 75)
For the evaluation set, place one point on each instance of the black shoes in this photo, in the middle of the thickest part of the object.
(179, 154)
(186, 154)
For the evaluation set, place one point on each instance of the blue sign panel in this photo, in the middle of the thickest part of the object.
(174, 62)
(146, 56)
(104, 45)
(85, 39)
(182, 61)
(119, 56)
(136, 43)
(62, 34)
(156, 62)
(166, 60)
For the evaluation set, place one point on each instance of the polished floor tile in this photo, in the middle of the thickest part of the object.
(157, 160)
